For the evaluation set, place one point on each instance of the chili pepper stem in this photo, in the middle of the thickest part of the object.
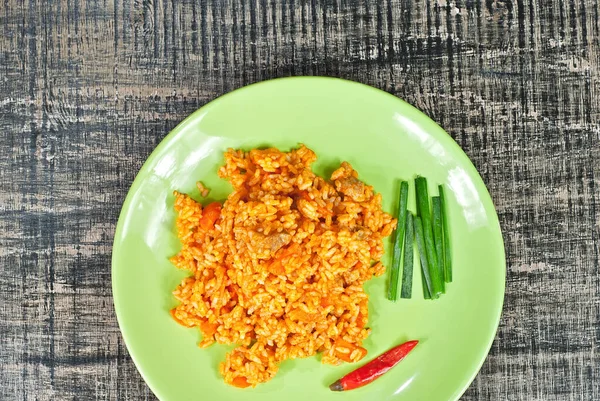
(337, 386)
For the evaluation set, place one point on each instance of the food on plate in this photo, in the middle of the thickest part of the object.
(429, 229)
(203, 190)
(446, 236)
(279, 268)
(436, 281)
(373, 369)
(407, 262)
(392, 293)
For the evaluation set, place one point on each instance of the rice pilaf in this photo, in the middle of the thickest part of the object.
(279, 268)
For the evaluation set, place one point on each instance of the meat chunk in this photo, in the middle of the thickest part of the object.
(276, 241)
(352, 187)
(266, 245)
(346, 181)
(361, 233)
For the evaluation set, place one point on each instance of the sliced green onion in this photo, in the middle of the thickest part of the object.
(408, 263)
(436, 209)
(447, 253)
(426, 294)
(422, 255)
(398, 240)
(436, 279)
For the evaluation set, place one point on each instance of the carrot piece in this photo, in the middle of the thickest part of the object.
(210, 215)
(325, 302)
(345, 356)
(208, 329)
(302, 316)
(362, 354)
(292, 249)
(240, 382)
(361, 321)
(276, 267)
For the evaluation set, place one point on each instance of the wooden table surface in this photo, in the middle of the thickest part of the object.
(88, 88)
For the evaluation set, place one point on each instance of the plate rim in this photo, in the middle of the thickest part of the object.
(179, 129)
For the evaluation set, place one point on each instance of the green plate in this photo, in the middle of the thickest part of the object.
(385, 139)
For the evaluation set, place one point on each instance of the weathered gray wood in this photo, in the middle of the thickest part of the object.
(89, 87)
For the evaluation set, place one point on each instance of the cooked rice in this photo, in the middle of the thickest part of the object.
(203, 190)
(281, 273)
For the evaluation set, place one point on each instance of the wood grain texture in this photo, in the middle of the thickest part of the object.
(89, 87)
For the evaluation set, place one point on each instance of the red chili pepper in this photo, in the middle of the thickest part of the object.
(372, 370)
